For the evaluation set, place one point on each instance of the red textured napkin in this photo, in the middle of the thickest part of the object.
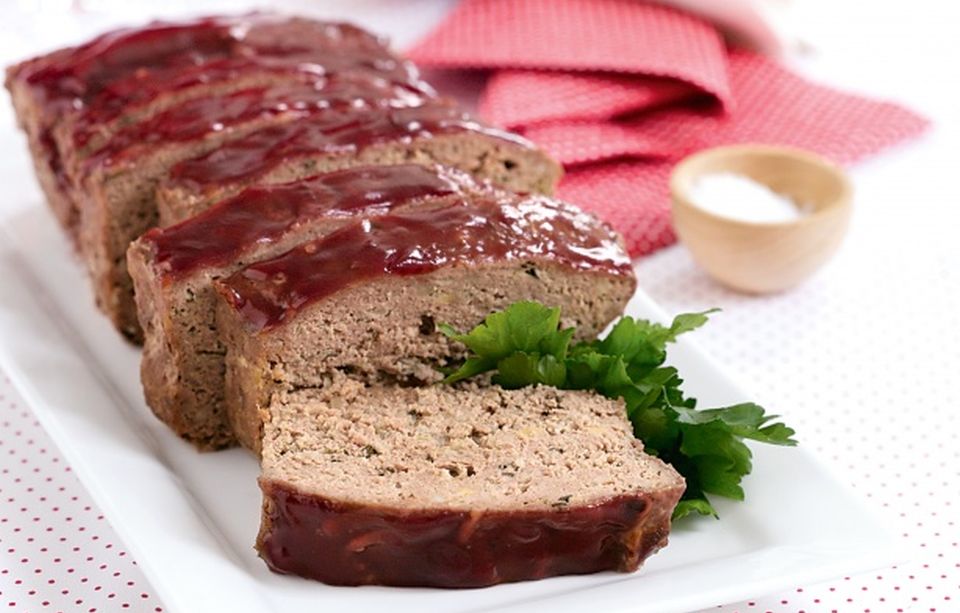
(581, 142)
(622, 36)
(615, 90)
(515, 98)
(774, 106)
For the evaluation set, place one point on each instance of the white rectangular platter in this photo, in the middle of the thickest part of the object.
(190, 519)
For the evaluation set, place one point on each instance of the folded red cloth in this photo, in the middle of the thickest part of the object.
(774, 106)
(582, 142)
(611, 35)
(631, 196)
(608, 88)
(515, 98)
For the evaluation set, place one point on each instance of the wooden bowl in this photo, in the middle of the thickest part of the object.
(764, 257)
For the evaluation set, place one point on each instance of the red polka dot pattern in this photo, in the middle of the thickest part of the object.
(576, 143)
(774, 105)
(630, 196)
(57, 552)
(515, 98)
(611, 35)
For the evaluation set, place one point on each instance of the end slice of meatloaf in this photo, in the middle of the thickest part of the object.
(124, 74)
(436, 132)
(84, 132)
(261, 57)
(366, 299)
(116, 186)
(457, 488)
(173, 269)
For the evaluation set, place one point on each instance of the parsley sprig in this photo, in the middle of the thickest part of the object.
(525, 345)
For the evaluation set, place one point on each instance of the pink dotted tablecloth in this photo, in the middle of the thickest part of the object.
(57, 552)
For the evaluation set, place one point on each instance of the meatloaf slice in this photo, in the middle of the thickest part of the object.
(173, 268)
(245, 63)
(457, 488)
(116, 185)
(435, 132)
(366, 299)
(86, 131)
(122, 74)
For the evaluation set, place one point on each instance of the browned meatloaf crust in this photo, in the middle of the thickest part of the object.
(457, 488)
(116, 185)
(81, 95)
(173, 268)
(432, 133)
(366, 298)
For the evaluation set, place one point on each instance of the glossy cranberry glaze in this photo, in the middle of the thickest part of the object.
(329, 133)
(466, 233)
(344, 544)
(263, 214)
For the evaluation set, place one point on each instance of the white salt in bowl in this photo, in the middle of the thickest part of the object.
(762, 256)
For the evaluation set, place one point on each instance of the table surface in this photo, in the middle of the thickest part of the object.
(862, 359)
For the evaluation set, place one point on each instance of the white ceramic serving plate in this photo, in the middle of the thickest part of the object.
(190, 518)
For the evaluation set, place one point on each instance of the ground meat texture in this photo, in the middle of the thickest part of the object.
(299, 313)
(173, 269)
(74, 99)
(118, 182)
(457, 487)
(106, 121)
(436, 132)
(356, 300)
(182, 365)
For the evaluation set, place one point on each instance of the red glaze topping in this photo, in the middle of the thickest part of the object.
(130, 67)
(263, 214)
(70, 78)
(345, 544)
(339, 93)
(143, 86)
(258, 153)
(65, 80)
(469, 232)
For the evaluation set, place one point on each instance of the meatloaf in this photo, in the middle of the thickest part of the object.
(366, 298)
(457, 488)
(116, 184)
(89, 91)
(336, 49)
(172, 268)
(107, 120)
(434, 132)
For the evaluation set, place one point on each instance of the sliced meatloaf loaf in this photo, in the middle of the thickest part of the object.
(116, 185)
(366, 298)
(82, 133)
(435, 132)
(172, 268)
(457, 488)
(127, 74)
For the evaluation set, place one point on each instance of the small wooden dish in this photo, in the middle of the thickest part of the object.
(764, 257)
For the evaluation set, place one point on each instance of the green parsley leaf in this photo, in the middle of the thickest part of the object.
(698, 505)
(526, 327)
(524, 345)
(522, 369)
